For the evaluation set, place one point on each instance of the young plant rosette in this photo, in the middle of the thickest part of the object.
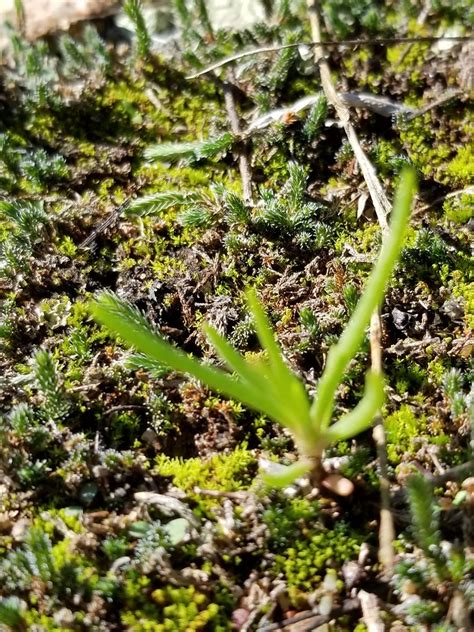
(270, 386)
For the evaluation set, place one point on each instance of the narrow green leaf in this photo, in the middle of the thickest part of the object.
(171, 151)
(291, 389)
(158, 202)
(363, 414)
(134, 10)
(342, 353)
(234, 360)
(280, 476)
(195, 149)
(134, 329)
(253, 377)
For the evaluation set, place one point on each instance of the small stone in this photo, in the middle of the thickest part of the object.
(468, 484)
(5, 522)
(453, 308)
(64, 617)
(149, 436)
(239, 617)
(401, 319)
(230, 14)
(20, 528)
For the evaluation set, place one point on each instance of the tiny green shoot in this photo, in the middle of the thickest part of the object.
(270, 386)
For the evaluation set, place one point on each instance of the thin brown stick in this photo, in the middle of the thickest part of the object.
(371, 612)
(442, 198)
(386, 552)
(312, 619)
(379, 199)
(383, 41)
(382, 208)
(244, 162)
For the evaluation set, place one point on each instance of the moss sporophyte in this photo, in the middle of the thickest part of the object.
(269, 386)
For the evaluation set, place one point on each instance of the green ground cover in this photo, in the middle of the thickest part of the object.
(130, 495)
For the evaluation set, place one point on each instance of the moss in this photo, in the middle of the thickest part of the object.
(304, 563)
(409, 377)
(466, 292)
(437, 150)
(67, 247)
(460, 170)
(79, 342)
(388, 157)
(161, 177)
(436, 370)
(229, 472)
(363, 240)
(125, 428)
(404, 429)
(77, 137)
(70, 518)
(459, 209)
(180, 608)
(303, 547)
(463, 288)
(33, 619)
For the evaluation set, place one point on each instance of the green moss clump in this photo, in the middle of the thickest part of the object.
(284, 516)
(363, 240)
(432, 149)
(460, 170)
(182, 608)
(304, 563)
(303, 547)
(388, 158)
(125, 428)
(409, 376)
(404, 427)
(229, 472)
(80, 341)
(459, 209)
(463, 288)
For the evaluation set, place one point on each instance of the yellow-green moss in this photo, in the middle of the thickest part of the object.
(437, 151)
(304, 563)
(460, 170)
(177, 608)
(229, 472)
(464, 289)
(363, 240)
(404, 427)
(459, 209)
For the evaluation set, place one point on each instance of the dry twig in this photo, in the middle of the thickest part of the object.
(244, 162)
(370, 612)
(382, 41)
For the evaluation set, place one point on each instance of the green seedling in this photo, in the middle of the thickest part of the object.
(270, 387)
